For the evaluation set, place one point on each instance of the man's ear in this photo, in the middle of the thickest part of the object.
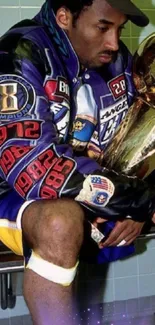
(64, 18)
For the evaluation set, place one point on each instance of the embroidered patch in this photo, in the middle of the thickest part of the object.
(17, 97)
(97, 191)
(118, 86)
(57, 89)
(47, 168)
(78, 126)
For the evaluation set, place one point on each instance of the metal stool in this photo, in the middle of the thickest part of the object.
(9, 263)
(148, 235)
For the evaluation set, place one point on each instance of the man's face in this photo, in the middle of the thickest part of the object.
(96, 33)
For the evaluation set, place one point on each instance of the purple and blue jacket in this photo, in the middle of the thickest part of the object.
(56, 121)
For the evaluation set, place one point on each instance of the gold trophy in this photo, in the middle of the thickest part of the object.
(132, 149)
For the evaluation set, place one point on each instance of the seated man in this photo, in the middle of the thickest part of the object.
(65, 85)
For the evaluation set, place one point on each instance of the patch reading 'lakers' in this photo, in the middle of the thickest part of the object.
(17, 97)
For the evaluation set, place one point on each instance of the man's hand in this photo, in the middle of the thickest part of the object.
(127, 230)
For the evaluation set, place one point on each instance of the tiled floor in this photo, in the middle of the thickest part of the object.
(25, 320)
(149, 320)
(130, 312)
(21, 320)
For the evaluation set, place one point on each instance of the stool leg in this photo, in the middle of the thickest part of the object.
(11, 297)
(4, 289)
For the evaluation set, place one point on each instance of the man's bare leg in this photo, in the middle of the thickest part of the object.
(54, 229)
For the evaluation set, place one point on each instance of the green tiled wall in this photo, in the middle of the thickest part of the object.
(136, 274)
(133, 35)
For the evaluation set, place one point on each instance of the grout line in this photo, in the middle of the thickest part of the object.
(138, 282)
(134, 276)
(19, 6)
(114, 291)
(20, 13)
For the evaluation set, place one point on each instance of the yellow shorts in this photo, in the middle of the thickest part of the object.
(11, 209)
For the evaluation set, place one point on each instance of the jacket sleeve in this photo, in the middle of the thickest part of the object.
(33, 160)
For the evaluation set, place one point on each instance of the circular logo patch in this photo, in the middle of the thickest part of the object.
(17, 97)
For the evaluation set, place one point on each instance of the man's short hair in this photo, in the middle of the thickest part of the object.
(75, 6)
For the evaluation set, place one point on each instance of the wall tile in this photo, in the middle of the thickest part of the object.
(8, 17)
(4, 314)
(146, 262)
(126, 30)
(128, 42)
(126, 288)
(151, 243)
(10, 3)
(108, 292)
(31, 3)
(135, 43)
(125, 268)
(28, 13)
(18, 283)
(149, 4)
(146, 285)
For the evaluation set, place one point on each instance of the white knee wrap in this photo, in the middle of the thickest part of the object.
(51, 271)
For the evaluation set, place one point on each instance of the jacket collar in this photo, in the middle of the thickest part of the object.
(46, 17)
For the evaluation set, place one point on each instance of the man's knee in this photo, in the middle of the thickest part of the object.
(54, 229)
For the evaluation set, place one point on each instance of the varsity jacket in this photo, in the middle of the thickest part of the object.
(56, 120)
